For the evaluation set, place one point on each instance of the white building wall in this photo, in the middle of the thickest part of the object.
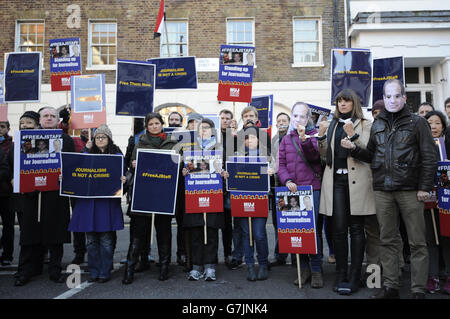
(202, 100)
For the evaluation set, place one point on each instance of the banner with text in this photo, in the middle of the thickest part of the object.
(203, 184)
(236, 73)
(264, 106)
(65, 61)
(91, 175)
(386, 69)
(88, 101)
(351, 69)
(295, 220)
(443, 189)
(155, 182)
(135, 88)
(175, 73)
(37, 160)
(23, 77)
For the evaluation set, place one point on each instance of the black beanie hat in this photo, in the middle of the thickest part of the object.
(32, 115)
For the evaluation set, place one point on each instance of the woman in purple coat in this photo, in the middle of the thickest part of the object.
(295, 170)
(99, 218)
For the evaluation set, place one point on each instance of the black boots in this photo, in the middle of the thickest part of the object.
(341, 252)
(164, 259)
(357, 242)
(143, 263)
(132, 259)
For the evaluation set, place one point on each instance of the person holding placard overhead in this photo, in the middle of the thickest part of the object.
(299, 164)
(438, 125)
(99, 218)
(154, 138)
(204, 256)
(347, 193)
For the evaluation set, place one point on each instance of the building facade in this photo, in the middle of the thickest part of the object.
(417, 30)
(293, 41)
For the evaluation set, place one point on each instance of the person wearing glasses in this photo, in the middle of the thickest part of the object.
(99, 218)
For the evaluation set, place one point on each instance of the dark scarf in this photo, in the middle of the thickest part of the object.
(156, 139)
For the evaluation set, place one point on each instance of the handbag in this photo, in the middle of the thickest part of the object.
(299, 151)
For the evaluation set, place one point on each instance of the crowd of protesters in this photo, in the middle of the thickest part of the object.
(370, 178)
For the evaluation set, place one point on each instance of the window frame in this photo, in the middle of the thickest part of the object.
(319, 41)
(163, 43)
(246, 19)
(89, 65)
(18, 35)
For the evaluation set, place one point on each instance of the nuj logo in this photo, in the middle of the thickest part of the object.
(65, 81)
(203, 201)
(40, 181)
(296, 241)
(249, 207)
(89, 118)
(234, 92)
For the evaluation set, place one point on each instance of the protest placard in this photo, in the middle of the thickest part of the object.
(65, 61)
(37, 160)
(175, 73)
(203, 184)
(236, 73)
(23, 77)
(351, 69)
(91, 175)
(155, 182)
(135, 88)
(443, 190)
(386, 69)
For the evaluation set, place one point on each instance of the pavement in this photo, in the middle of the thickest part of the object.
(231, 285)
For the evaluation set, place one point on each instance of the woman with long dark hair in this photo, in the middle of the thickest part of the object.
(347, 194)
(99, 218)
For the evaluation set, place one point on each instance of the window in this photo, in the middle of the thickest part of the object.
(240, 32)
(307, 42)
(419, 86)
(178, 39)
(102, 51)
(30, 36)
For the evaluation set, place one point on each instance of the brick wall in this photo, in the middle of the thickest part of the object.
(207, 30)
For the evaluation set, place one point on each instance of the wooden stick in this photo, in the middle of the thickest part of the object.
(205, 229)
(250, 231)
(298, 271)
(152, 229)
(434, 227)
(89, 134)
(39, 207)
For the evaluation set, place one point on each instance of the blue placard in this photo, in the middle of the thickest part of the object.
(65, 61)
(351, 69)
(135, 88)
(383, 70)
(175, 73)
(91, 175)
(155, 182)
(248, 177)
(264, 106)
(88, 93)
(23, 77)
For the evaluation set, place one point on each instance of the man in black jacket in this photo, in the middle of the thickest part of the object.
(403, 159)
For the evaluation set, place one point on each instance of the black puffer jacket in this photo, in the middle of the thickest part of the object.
(401, 151)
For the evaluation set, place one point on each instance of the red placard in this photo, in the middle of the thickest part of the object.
(206, 202)
(245, 204)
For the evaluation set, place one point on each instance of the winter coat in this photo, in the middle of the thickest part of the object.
(362, 199)
(291, 165)
(213, 220)
(55, 213)
(403, 155)
(5, 175)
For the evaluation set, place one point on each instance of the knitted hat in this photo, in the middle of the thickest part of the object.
(208, 121)
(194, 116)
(103, 129)
(32, 115)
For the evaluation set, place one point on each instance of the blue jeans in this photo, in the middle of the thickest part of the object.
(314, 260)
(259, 236)
(238, 250)
(100, 253)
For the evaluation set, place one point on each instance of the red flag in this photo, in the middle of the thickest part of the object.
(159, 21)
